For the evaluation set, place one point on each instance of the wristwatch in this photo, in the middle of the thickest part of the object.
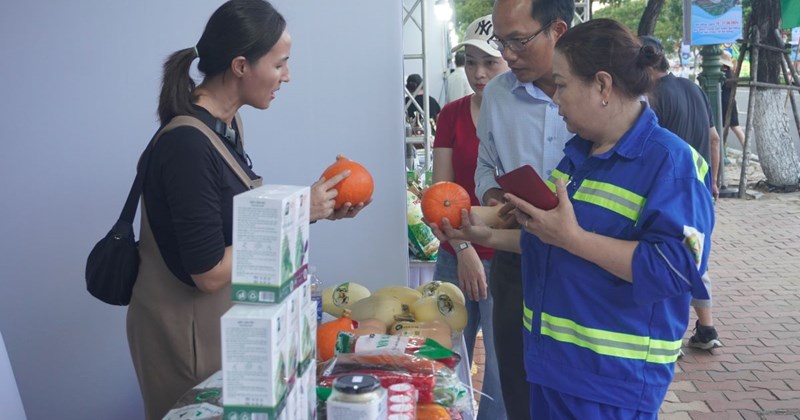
(462, 246)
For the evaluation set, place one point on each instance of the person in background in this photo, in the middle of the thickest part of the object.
(414, 85)
(457, 84)
(183, 286)
(519, 124)
(726, 61)
(608, 273)
(455, 154)
(683, 108)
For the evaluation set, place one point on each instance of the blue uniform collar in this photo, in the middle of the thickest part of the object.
(630, 146)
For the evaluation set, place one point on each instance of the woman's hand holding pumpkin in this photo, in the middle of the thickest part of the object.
(472, 229)
(323, 196)
(471, 275)
(348, 210)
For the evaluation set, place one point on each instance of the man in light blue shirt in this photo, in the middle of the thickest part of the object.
(519, 124)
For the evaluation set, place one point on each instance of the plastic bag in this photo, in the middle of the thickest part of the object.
(417, 346)
(435, 382)
(421, 241)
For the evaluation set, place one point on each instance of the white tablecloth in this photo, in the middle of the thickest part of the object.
(420, 272)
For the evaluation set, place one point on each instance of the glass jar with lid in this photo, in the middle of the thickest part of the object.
(357, 397)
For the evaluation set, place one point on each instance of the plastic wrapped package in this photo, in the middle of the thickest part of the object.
(417, 346)
(421, 241)
(435, 382)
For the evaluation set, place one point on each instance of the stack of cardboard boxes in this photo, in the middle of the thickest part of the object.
(269, 335)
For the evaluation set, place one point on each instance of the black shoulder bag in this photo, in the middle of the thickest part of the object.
(113, 264)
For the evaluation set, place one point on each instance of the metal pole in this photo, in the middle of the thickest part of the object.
(710, 78)
(425, 83)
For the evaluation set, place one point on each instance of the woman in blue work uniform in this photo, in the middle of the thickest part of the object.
(608, 273)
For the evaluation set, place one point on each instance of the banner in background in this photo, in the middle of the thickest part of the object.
(790, 13)
(710, 22)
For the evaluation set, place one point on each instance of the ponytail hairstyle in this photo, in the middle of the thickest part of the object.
(607, 45)
(247, 28)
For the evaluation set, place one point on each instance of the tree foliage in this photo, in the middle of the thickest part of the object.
(467, 11)
(668, 29)
(650, 16)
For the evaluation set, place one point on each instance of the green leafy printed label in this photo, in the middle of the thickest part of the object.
(287, 266)
(241, 412)
(301, 246)
(260, 293)
(303, 366)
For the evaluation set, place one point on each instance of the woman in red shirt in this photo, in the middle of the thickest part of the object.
(455, 155)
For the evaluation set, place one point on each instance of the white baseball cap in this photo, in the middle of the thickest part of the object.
(478, 34)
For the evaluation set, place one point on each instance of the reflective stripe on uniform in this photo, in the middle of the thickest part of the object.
(527, 317)
(555, 175)
(700, 165)
(610, 343)
(611, 197)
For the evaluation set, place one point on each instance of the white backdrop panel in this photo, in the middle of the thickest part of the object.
(80, 83)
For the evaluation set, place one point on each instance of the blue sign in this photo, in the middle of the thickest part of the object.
(711, 22)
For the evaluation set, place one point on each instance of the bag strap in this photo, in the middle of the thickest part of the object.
(219, 145)
(129, 210)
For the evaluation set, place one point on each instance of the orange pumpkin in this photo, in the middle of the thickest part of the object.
(445, 199)
(356, 188)
(327, 333)
(432, 412)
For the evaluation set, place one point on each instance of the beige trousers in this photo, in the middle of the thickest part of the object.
(173, 330)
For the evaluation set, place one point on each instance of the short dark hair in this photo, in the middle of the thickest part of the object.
(461, 58)
(413, 81)
(248, 28)
(607, 45)
(546, 11)
(663, 64)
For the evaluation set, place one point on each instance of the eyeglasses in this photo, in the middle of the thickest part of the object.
(516, 44)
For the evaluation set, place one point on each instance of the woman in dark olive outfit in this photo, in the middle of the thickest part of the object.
(184, 278)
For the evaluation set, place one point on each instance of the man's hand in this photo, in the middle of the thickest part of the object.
(506, 213)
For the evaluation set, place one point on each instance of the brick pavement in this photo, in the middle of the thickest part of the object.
(755, 268)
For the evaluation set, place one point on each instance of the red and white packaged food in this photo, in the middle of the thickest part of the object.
(406, 409)
(404, 389)
(402, 400)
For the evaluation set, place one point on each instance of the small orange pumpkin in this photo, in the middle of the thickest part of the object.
(445, 199)
(356, 188)
(329, 331)
(432, 412)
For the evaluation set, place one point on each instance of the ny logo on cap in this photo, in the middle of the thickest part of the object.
(484, 27)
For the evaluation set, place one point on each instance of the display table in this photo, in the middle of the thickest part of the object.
(204, 401)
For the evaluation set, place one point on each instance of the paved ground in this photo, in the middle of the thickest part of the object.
(755, 265)
(756, 277)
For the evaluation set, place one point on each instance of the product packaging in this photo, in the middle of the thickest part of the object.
(270, 242)
(256, 367)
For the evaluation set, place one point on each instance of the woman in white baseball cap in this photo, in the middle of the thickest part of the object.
(455, 155)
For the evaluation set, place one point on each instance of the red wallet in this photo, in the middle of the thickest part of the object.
(526, 184)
